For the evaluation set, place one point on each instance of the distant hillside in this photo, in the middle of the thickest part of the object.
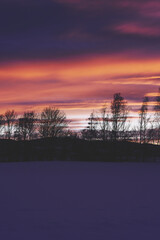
(67, 149)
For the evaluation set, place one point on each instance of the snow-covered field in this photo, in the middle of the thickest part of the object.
(79, 201)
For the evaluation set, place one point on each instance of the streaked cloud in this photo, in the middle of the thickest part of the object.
(83, 84)
(137, 29)
(75, 54)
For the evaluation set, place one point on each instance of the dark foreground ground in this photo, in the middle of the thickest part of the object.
(79, 201)
(68, 149)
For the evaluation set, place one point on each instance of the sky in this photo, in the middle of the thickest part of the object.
(75, 54)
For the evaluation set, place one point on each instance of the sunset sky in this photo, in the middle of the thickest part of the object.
(75, 54)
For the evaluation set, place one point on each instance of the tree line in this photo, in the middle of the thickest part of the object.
(110, 124)
(50, 123)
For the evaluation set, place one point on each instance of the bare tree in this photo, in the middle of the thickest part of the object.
(157, 116)
(104, 123)
(134, 134)
(2, 121)
(91, 131)
(53, 122)
(26, 125)
(21, 131)
(9, 117)
(119, 112)
(143, 120)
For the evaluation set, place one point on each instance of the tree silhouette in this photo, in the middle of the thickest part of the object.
(104, 124)
(143, 120)
(26, 125)
(9, 117)
(157, 116)
(119, 112)
(2, 121)
(91, 131)
(52, 123)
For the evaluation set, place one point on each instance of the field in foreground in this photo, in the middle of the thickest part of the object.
(79, 201)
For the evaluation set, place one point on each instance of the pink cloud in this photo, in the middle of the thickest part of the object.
(151, 9)
(138, 29)
(147, 8)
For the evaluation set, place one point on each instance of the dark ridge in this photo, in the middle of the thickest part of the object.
(68, 149)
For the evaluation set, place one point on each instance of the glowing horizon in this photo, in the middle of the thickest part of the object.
(75, 55)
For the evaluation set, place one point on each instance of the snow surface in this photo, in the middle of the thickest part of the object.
(79, 201)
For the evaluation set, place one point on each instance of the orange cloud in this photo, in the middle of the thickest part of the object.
(152, 94)
(77, 86)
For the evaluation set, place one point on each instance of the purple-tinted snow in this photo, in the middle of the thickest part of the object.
(79, 201)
